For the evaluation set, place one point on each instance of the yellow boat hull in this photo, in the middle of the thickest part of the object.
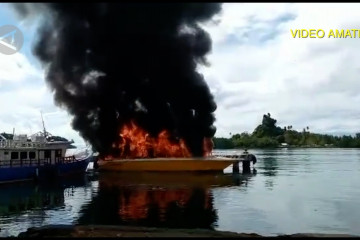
(166, 164)
(165, 179)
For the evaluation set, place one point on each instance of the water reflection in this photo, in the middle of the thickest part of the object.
(26, 196)
(243, 179)
(270, 166)
(158, 200)
(270, 169)
(28, 204)
(295, 190)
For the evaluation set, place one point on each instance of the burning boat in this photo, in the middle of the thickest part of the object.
(138, 151)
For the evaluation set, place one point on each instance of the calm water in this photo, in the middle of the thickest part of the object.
(302, 190)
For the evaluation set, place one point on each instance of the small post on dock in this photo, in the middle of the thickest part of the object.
(236, 167)
(246, 158)
(246, 166)
(246, 162)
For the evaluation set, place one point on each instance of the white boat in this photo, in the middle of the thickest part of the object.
(40, 156)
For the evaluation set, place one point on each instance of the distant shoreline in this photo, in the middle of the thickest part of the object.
(269, 135)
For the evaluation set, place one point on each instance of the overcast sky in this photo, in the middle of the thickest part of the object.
(256, 67)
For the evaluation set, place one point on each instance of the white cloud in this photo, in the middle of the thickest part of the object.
(15, 68)
(301, 82)
(23, 94)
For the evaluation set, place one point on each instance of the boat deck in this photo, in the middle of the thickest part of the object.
(35, 162)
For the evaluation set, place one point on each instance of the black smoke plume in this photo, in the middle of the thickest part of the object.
(108, 63)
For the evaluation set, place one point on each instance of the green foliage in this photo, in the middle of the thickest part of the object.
(268, 128)
(268, 135)
(223, 143)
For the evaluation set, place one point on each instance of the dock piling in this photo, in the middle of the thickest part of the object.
(236, 168)
(246, 166)
(245, 158)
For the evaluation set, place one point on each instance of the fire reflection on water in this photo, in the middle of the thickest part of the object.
(170, 207)
(151, 203)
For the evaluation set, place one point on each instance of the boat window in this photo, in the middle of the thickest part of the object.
(57, 153)
(32, 155)
(14, 155)
(23, 155)
(47, 154)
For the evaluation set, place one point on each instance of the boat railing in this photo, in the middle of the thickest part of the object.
(37, 162)
(22, 144)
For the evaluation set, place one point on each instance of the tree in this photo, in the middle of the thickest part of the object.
(268, 128)
(223, 143)
(357, 135)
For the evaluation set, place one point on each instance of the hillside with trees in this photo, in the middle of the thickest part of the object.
(269, 135)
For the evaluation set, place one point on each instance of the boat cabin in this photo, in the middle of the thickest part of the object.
(21, 150)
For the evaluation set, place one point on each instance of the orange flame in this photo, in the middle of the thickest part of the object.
(137, 143)
(135, 205)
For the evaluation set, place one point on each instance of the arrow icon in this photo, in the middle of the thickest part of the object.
(12, 34)
(11, 39)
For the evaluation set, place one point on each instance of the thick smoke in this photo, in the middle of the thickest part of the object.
(108, 63)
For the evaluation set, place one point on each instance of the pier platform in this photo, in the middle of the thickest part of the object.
(245, 158)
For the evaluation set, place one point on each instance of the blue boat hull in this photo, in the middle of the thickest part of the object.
(12, 174)
(45, 172)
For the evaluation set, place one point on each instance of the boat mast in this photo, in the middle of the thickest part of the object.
(42, 119)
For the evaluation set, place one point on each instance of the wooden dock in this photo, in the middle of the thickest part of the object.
(245, 159)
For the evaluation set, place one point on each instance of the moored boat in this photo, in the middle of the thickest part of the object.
(39, 157)
(166, 164)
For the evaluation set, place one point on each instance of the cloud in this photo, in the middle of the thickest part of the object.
(23, 95)
(258, 67)
(23, 92)
(15, 68)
